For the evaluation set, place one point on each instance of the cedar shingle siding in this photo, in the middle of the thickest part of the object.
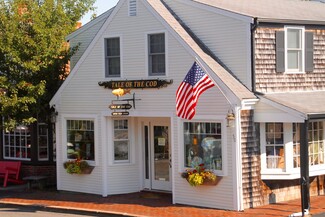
(268, 80)
(253, 187)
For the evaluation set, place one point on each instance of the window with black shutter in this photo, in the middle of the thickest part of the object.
(294, 50)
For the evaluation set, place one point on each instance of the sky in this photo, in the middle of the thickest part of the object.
(101, 6)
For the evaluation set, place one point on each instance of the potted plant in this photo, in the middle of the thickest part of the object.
(77, 166)
(200, 176)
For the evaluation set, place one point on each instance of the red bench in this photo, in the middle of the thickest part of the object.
(9, 170)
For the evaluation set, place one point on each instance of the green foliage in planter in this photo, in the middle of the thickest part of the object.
(75, 166)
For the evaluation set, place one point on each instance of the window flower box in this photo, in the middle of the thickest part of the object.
(200, 176)
(78, 166)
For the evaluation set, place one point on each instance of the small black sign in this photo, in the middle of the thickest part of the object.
(119, 113)
(133, 84)
(120, 106)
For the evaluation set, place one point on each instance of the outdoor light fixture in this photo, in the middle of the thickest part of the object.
(230, 118)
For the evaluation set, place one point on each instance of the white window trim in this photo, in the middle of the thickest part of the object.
(104, 56)
(12, 158)
(290, 71)
(182, 157)
(147, 53)
(119, 162)
(64, 135)
(289, 172)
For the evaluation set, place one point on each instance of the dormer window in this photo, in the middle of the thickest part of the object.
(294, 50)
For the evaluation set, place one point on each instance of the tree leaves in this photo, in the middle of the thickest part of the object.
(33, 53)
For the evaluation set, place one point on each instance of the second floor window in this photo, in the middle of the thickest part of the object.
(157, 62)
(112, 57)
(294, 50)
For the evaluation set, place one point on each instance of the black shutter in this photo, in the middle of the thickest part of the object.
(280, 51)
(309, 51)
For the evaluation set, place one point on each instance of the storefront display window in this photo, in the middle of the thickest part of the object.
(80, 139)
(203, 145)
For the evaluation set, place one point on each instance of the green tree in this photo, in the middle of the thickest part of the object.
(33, 54)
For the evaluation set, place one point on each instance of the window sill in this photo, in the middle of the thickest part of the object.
(290, 175)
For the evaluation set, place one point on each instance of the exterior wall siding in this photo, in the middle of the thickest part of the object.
(226, 37)
(84, 96)
(268, 80)
(253, 187)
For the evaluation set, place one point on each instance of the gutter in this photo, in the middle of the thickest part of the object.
(253, 28)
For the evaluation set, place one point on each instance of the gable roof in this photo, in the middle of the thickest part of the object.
(225, 80)
(295, 11)
(100, 18)
(223, 76)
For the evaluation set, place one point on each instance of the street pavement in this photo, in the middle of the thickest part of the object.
(139, 204)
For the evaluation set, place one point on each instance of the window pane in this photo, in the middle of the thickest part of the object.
(121, 150)
(157, 43)
(114, 66)
(293, 36)
(113, 47)
(203, 145)
(121, 140)
(80, 139)
(157, 63)
(293, 59)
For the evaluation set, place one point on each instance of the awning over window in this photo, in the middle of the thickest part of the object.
(311, 105)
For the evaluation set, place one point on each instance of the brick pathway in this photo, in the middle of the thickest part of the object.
(144, 204)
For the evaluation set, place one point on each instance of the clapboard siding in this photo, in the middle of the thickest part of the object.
(220, 196)
(268, 80)
(226, 37)
(81, 183)
(84, 96)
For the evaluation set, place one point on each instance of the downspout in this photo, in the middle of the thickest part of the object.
(253, 28)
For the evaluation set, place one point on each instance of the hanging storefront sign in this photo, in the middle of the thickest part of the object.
(134, 84)
(120, 106)
(120, 113)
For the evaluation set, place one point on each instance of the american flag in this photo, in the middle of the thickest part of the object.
(187, 95)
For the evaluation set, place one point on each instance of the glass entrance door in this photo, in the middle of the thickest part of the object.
(160, 158)
(157, 156)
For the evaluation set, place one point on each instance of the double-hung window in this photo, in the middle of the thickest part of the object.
(112, 57)
(294, 50)
(203, 145)
(157, 62)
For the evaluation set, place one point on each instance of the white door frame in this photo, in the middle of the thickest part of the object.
(147, 124)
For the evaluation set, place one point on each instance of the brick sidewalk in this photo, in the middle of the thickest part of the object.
(144, 204)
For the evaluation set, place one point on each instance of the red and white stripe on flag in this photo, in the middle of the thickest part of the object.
(189, 91)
